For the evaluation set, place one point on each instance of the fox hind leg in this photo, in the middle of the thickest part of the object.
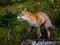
(48, 31)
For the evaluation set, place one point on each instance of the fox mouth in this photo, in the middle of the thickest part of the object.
(21, 19)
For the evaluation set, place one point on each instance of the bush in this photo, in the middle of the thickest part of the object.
(10, 2)
(8, 20)
(12, 31)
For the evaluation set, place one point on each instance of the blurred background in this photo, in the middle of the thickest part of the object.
(12, 31)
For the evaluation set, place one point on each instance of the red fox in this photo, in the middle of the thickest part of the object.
(36, 20)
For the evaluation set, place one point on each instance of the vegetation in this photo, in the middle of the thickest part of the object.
(12, 31)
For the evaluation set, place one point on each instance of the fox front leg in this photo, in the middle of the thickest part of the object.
(29, 29)
(38, 34)
(26, 34)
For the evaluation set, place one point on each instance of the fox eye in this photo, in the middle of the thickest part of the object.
(22, 14)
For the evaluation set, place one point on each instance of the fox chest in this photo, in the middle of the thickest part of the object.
(33, 24)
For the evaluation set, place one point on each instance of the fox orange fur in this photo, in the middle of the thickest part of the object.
(36, 20)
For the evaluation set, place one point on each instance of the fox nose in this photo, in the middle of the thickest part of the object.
(18, 17)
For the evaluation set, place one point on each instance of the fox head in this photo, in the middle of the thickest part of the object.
(24, 15)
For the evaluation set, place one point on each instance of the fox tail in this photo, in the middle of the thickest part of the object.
(52, 27)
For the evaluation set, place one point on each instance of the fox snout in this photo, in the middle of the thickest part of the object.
(19, 18)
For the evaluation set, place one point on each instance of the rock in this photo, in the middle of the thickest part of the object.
(31, 42)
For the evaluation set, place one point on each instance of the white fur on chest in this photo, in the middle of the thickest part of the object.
(33, 24)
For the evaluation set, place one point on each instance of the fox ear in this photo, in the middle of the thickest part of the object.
(26, 9)
(21, 9)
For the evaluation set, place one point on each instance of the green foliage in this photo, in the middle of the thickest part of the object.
(57, 18)
(15, 1)
(11, 28)
(8, 20)
(10, 2)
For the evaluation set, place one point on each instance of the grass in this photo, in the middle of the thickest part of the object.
(15, 34)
